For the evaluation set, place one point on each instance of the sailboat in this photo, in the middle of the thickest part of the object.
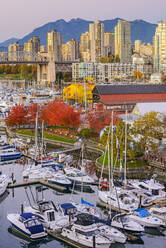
(115, 196)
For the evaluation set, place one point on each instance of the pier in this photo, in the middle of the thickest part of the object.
(42, 182)
(106, 205)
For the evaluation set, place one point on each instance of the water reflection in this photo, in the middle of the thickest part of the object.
(26, 243)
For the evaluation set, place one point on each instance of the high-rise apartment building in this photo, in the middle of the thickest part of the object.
(33, 45)
(123, 47)
(54, 46)
(160, 46)
(85, 47)
(137, 46)
(14, 51)
(109, 43)
(70, 51)
(96, 36)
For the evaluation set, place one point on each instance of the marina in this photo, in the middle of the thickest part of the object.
(58, 201)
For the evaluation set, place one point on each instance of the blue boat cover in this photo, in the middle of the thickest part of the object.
(87, 203)
(59, 166)
(27, 216)
(67, 206)
(142, 212)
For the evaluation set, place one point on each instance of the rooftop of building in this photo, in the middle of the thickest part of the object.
(130, 89)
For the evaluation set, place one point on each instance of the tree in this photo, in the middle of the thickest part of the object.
(119, 140)
(59, 113)
(98, 119)
(148, 130)
(138, 75)
(17, 116)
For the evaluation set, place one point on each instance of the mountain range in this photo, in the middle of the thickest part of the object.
(140, 30)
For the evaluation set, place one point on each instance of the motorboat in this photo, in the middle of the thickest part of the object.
(51, 216)
(9, 154)
(111, 233)
(4, 180)
(84, 232)
(152, 187)
(60, 179)
(77, 177)
(159, 212)
(119, 198)
(122, 221)
(28, 225)
(143, 217)
(39, 167)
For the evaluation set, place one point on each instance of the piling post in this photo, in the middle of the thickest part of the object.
(12, 177)
(94, 242)
(22, 208)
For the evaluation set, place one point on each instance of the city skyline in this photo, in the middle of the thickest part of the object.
(22, 18)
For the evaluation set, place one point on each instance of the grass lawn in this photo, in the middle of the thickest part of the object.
(46, 136)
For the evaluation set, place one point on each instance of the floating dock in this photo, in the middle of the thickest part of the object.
(106, 205)
(58, 236)
(42, 182)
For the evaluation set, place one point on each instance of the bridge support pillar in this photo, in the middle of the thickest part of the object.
(46, 74)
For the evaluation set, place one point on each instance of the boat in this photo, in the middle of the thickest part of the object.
(28, 225)
(122, 221)
(159, 212)
(77, 177)
(60, 179)
(85, 232)
(143, 217)
(51, 216)
(119, 199)
(9, 154)
(111, 233)
(4, 180)
(152, 187)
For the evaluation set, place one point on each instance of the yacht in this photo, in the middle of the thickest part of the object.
(83, 232)
(28, 225)
(152, 187)
(122, 221)
(159, 212)
(143, 217)
(60, 179)
(4, 180)
(9, 154)
(52, 216)
(119, 198)
(77, 177)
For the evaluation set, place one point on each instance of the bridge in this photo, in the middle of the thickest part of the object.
(46, 67)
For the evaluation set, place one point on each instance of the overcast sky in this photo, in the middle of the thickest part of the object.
(20, 17)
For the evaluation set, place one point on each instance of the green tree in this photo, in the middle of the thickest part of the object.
(148, 130)
(119, 141)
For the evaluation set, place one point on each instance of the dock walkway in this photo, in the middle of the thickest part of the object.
(42, 182)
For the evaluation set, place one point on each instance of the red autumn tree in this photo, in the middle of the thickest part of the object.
(59, 113)
(17, 116)
(98, 119)
(32, 111)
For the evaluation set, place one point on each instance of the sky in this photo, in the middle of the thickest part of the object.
(20, 17)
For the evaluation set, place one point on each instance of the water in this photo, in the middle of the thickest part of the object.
(10, 203)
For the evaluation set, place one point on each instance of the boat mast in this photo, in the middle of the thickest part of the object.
(36, 128)
(125, 149)
(112, 150)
